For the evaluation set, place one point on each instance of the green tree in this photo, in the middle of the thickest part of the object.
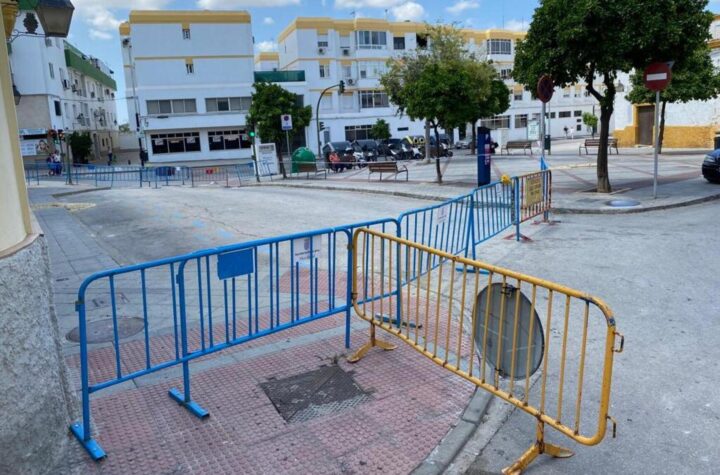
(591, 121)
(696, 79)
(590, 41)
(495, 103)
(269, 102)
(435, 84)
(380, 130)
(124, 128)
(81, 145)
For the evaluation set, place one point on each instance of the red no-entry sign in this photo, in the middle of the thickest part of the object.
(657, 76)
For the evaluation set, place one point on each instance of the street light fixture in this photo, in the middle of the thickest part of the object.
(55, 16)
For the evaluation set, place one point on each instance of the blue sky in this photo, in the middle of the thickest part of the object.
(94, 27)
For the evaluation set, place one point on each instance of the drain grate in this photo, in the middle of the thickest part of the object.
(101, 331)
(323, 391)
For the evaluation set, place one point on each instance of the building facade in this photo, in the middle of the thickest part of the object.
(356, 52)
(689, 125)
(189, 77)
(61, 88)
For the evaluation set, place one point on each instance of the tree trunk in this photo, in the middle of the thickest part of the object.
(474, 139)
(603, 178)
(280, 160)
(437, 155)
(662, 126)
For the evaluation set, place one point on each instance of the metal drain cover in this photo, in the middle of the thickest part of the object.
(315, 393)
(622, 203)
(101, 331)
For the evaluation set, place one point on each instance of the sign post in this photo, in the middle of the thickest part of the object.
(545, 90)
(286, 122)
(657, 77)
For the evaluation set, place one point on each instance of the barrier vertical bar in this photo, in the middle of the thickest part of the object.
(349, 297)
(516, 195)
(184, 399)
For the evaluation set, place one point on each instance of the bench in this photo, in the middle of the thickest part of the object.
(595, 143)
(386, 167)
(517, 145)
(311, 167)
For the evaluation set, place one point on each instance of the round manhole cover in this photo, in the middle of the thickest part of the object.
(101, 331)
(622, 203)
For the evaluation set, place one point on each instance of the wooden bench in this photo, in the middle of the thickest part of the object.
(311, 167)
(595, 143)
(386, 167)
(517, 145)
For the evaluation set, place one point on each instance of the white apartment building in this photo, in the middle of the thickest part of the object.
(61, 88)
(356, 51)
(189, 77)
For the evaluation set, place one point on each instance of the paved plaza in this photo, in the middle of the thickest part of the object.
(652, 269)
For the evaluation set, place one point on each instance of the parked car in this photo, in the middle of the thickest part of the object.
(711, 167)
(369, 149)
(343, 156)
(462, 143)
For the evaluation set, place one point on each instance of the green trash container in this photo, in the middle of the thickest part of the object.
(302, 155)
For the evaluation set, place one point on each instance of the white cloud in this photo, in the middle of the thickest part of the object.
(232, 4)
(463, 5)
(268, 20)
(100, 35)
(100, 16)
(367, 3)
(264, 46)
(408, 11)
(516, 25)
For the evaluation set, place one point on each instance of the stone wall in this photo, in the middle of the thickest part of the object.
(36, 401)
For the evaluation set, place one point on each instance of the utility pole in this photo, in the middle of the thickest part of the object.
(341, 89)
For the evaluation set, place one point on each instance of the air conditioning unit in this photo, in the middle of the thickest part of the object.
(351, 82)
(321, 50)
(346, 51)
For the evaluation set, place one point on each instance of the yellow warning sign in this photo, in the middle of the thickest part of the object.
(533, 190)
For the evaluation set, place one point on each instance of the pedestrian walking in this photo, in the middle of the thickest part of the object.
(566, 131)
(110, 158)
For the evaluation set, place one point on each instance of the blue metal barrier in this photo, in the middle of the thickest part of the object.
(32, 173)
(494, 211)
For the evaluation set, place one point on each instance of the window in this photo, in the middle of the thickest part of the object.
(52, 71)
(399, 42)
(186, 33)
(346, 102)
(506, 73)
(347, 71)
(497, 122)
(176, 143)
(229, 139)
(174, 106)
(552, 115)
(578, 128)
(371, 69)
(326, 102)
(58, 109)
(357, 132)
(324, 71)
(577, 113)
(499, 46)
(373, 99)
(421, 41)
(227, 104)
(322, 41)
(190, 68)
(566, 92)
(564, 114)
(521, 121)
(371, 39)
(518, 95)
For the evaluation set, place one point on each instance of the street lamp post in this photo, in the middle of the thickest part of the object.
(341, 89)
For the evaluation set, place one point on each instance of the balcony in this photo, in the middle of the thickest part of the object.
(280, 76)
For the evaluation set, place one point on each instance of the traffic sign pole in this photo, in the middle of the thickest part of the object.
(657, 142)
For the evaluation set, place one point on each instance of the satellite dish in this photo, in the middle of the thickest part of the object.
(498, 292)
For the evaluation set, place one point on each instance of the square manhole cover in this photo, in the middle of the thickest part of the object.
(315, 393)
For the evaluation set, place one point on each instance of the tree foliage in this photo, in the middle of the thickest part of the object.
(380, 130)
(590, 120)
(696, 79)
(81, 145)
(495, 103)
(591, 41)
(269, 102)
(441, 84)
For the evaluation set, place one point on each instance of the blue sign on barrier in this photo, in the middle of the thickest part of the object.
(235, 264)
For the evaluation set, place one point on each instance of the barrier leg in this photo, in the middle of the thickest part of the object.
(359, 354)
(539, 447)
(184, 398)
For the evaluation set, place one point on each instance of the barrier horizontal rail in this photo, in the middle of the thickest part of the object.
(527, 341)
(197, 304)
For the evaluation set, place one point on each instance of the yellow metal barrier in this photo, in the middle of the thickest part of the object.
(543, 347)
